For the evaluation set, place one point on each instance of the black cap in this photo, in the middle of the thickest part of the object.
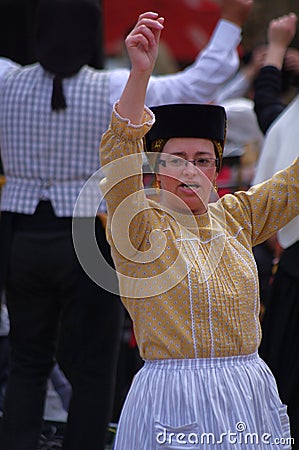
(188, 120)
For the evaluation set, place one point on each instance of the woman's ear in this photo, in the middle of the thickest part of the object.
(158, 180)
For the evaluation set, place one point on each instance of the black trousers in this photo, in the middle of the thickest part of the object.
(55, 309)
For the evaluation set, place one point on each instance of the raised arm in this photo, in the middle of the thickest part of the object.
(280, 33)
(121, 145)
(142, 45)
(267, 97)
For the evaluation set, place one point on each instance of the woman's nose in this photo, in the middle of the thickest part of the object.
(189, 168)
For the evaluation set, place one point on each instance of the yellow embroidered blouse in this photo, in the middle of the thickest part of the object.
(189, 282)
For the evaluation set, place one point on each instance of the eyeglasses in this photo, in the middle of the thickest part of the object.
(175, 162)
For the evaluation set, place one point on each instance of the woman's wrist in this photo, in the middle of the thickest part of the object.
(275, 55)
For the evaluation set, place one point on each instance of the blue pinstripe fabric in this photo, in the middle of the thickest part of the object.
(221, 403)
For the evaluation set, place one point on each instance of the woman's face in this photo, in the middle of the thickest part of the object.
(187, 169)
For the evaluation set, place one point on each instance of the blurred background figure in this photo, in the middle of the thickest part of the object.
(278, 118)
(243, 144)
(242, 84)
(56, 312)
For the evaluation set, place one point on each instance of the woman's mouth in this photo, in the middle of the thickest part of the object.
(189, 187)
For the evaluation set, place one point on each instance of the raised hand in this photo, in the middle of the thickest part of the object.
(280, 33)
(282, 30)
(142, 43)
(142, 46)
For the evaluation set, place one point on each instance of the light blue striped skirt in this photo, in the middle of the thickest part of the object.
(218, 403)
